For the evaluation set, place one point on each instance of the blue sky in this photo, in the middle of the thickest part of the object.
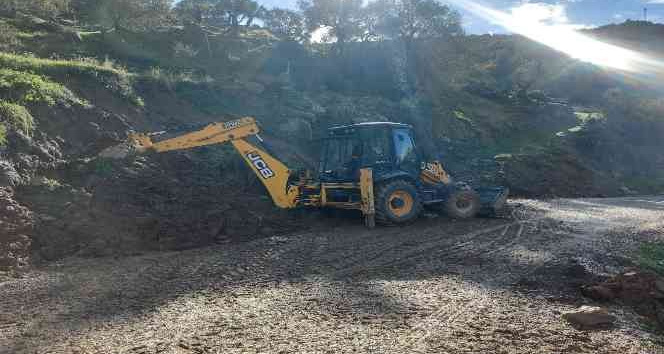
(569, 12)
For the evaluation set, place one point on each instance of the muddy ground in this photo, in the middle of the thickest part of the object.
(488, 285)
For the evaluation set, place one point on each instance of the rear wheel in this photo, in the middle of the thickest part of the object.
(397, 202)
(463, 204)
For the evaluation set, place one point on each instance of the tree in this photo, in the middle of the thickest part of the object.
(195, 11)
(239, 11)
(416, 19)
(42, 8)
(136, 15)
(285, 24)
(343, 18)
(223, 13)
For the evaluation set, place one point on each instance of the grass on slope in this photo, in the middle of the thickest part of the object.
(114, 78)
(17, 117)
(3, 134)
(19, 89)
(23, 88)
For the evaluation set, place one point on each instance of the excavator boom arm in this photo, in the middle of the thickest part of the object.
(216, 133)
(270, 171)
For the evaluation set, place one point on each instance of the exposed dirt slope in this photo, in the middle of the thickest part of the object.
(16, 224)
(488, 285)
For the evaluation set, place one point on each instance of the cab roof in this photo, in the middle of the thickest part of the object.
(339, 128)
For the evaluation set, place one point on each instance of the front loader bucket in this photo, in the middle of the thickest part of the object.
(492, 200)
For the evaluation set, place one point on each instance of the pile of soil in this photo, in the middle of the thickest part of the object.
(644, 291)
(556, 174)
(172, 201)
(16, 225)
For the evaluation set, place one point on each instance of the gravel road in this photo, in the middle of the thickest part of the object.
(439, 286)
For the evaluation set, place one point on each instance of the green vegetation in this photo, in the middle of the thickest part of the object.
(26, 88)
(58, 67)
(651, 256)
(462, 116)
(113, 77)
(31, 35)
(3, 135)
(9, 37)
(49, 183)
(231, 13)
(16, 117)
(39, 7)
(170, 78)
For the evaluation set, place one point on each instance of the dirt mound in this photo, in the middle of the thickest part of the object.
(644, 291)
(16, 226)
(172, 201)
(555, 174)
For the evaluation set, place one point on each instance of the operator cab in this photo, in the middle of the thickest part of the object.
(383, 146)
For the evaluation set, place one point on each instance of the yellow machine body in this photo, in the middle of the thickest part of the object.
(434, 173)
(272, 172)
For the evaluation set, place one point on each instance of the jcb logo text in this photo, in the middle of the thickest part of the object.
(260, 165)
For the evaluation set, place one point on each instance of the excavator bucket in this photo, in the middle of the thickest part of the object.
(492, 199)
(136, 143)
(117, 152)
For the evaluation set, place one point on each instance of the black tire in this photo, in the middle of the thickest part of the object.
(462, 204)
(397, 202)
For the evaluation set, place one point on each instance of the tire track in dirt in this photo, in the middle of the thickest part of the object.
(402, 253)
(448, 318)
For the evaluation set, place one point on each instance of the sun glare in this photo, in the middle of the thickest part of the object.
(566, 39)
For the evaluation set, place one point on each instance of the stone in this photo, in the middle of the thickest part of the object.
(589, 317)
(116, 152)
(599, 292)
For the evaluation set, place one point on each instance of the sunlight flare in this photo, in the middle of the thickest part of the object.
(567, 39)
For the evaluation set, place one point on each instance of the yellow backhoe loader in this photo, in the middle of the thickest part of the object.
(371, 167)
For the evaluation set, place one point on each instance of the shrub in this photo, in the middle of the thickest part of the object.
(3, 134)
(171, 79)
(25, 88)
(9, 37)
(17, 117)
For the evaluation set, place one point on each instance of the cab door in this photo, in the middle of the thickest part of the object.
(405, 152)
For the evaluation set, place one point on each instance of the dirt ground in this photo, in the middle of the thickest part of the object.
(439, 286)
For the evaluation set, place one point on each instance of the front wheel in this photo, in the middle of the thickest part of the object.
(397, 202)
(462, 204)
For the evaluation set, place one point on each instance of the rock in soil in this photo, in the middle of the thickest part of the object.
(644, 291)
(599, 292)
(589, 317)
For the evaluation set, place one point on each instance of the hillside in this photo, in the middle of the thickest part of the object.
(496, 109)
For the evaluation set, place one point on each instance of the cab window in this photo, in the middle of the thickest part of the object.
(376, 147)
(404, 148)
